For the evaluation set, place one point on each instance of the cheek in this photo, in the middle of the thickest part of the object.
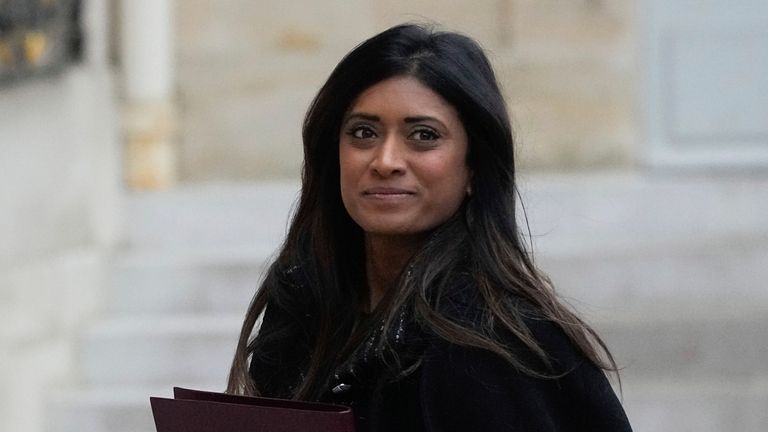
(448, 183)
(450, 175)
(348, 176)
(457, 189)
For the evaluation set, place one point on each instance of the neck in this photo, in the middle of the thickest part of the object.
(385, 258)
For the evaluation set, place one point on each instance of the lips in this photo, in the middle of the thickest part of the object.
(386, 192)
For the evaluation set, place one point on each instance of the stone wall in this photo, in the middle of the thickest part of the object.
(248, 69)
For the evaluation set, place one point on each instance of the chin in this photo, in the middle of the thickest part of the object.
(390, 232)
(389, 229)
(395, 231)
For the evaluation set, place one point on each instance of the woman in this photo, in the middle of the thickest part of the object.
(403, 288)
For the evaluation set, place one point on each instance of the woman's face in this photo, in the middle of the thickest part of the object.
(402, 155)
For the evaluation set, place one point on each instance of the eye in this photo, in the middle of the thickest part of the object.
(361, 132)
(424, 134)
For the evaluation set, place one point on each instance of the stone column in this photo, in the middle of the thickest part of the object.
(148, 78)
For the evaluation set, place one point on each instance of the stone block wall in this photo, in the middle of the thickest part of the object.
(570, 81)
(248, 69)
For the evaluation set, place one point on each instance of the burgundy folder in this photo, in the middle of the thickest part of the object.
(200, 411)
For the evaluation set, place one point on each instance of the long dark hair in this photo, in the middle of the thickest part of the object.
(482, 240)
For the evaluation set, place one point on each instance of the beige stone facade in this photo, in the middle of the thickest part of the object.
(248, 69)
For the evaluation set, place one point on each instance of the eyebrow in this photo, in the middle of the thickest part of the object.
(375, 118)
(362, 116)
(418, 119)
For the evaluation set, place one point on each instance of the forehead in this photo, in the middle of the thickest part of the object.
(403, 95)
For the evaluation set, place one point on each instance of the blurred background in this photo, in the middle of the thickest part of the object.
(151, 154)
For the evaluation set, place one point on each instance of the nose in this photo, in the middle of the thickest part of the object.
(389, 158)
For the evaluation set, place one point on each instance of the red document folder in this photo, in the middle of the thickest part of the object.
(199, 411)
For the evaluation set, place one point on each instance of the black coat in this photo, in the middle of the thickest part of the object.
(466, 389)
(454, 388)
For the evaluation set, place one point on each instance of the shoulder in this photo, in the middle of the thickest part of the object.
(463, 303)
(489, 372)
(465, 388)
